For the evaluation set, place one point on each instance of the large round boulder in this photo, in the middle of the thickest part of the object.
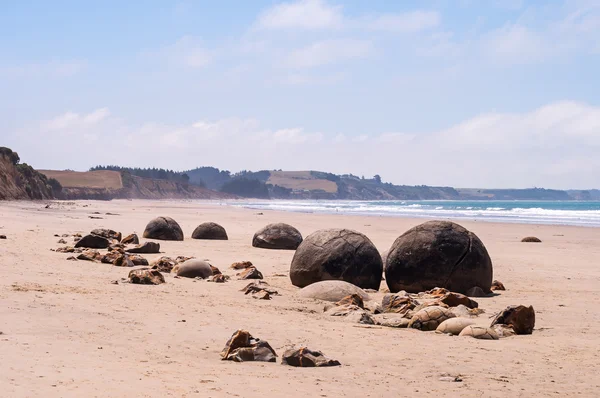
(211, 231)
(163, 228)
(277, 236)
(194, 268)
(332, 291)
(438, 254)
(337, 254)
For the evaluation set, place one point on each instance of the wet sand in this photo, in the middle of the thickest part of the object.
(69, 332)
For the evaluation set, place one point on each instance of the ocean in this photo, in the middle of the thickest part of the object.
(581, 213)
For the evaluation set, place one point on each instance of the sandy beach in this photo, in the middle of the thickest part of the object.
(68, 331)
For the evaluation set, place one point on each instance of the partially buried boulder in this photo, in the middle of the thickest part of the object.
(250, 273)
(146, 276)
(429, 318)
(337, 254)
(163, 228)
(479, 332)
(146, 247)
(93, 242)
(454, 326)
(277, 236)
(531, 239)
(519, 317)
(307, 358)
(210, 231)
(332, 291)
(497, 285)
(438, 254)
(194, 268)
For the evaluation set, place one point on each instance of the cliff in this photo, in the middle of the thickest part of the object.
(21, 181)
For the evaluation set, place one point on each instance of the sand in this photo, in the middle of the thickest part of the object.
(68, 331)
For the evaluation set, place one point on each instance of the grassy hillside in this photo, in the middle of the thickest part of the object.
(301, 180)
(21, 181)
(86, 179)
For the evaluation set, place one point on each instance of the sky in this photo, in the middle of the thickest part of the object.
(463, 93)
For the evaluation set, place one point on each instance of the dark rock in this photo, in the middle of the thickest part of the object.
(145, 248)
(68, 249)
(519, 317)
(93, 242)
(2, 236)
(353, 299)
(241, 265)
(123, 260)
(163, 228)
(210, 231)
(531, 239)
(497, 285)
(215, 270)
(338, 254)
(262, 295)
(146, 276)
(107, 233)
(241, 347)
(306, 358)
(90, 255)
(110, 257)
(62, 242)
(219, 278)
(258, 286)
(438, 254)
(250, 273)
(398, 303)
(278, 236)
(163, 264)
(452, 299)
(194, 268)
(131, 240)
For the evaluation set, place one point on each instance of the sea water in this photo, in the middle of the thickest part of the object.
(582, 213)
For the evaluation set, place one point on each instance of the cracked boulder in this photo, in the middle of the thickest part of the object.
(332, 291)
(146, 276)
(145, 248)
(210, 231)
(519, 317)
(337, 254)
(131, 239)
(107, 233)
(93, 242)
(163, 228)
(277, 236)
(438, 254)
(242, 347)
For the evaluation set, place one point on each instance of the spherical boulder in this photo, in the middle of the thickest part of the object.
(337, 254)
(194, 268)
(332, 291)
(438, 254)
(210, 231)
(454, 326)
(277, 236)
(163, 228)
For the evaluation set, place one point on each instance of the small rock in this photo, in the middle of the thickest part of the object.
(71, 258)
(258, 286)
(398, 303)
(138, 260)
(131, 239)
(215, 270)
(452, 299)
(146, 248)
(306, 358)
(241, 265)
(2, 236)
(531, 239)
(107, 233)
(163, 264)
(503, 330)
(90, 255)
(219, 278)
(241, 347)
(391, 320)
(250, 273)
(262, 295)
(353, 299)
(62, 241)
(497, 285)
(146, 276)
(519, 317)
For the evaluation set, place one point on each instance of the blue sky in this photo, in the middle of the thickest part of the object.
(464, 93)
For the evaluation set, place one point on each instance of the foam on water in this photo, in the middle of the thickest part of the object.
(536, 212)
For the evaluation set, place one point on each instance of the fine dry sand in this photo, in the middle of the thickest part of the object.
(69, 332)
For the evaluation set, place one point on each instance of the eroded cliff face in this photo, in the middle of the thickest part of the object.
(20, 181)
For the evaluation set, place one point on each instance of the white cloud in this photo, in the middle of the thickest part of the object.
(554, 146)
(302, 14)
(327, 52)
(70, 120)
(516, 44)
